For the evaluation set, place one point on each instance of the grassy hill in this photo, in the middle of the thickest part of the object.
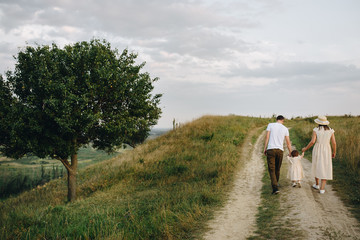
(166, 188)
(19, 175)
(163, 189)
(22, 174)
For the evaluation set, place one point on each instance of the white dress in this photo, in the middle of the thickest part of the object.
(295, 171)
(322, 155)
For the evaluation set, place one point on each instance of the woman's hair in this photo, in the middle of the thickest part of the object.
(326, 127)
(294, 153)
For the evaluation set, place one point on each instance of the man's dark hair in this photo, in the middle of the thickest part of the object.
(280, 117)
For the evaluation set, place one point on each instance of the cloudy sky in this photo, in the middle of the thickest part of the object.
(258, 57)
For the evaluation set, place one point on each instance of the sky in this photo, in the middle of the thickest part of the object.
(250, 58)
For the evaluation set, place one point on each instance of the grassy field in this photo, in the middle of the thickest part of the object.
(346, 165)
(169, 187)
(28, 172)
(164, 189)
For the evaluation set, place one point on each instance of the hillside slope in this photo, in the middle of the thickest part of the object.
(163, 189)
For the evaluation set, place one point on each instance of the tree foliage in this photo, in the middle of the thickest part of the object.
(58, 100)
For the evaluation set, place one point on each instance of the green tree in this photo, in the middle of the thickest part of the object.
(58, 100)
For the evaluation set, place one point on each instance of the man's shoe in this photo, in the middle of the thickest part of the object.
(275, 191)
(322, 191)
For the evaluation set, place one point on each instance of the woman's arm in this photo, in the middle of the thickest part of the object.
(333, 143)
(312, 142)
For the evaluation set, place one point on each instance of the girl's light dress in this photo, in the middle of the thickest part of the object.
(295, 171)
(321, 155)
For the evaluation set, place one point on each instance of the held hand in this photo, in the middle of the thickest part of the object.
(303, 150)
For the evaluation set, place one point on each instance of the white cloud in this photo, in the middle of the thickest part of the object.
(71, 30)
(34, 31)
(212, 56)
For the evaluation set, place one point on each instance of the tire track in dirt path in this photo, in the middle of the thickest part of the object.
(237, 219)
(317, 216)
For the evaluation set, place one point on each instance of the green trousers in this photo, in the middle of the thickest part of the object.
(274, 160)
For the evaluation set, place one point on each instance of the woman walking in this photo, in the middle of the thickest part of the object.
(322, 154)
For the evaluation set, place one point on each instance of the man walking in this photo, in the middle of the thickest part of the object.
(274, 149)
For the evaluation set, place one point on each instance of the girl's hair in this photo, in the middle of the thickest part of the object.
(294, 153)
(326, 127)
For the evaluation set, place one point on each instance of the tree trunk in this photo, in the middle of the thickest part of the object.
(72, 178)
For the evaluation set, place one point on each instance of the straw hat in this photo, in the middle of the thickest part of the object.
(322, 120)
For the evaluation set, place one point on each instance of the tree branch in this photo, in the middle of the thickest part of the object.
(65, 162)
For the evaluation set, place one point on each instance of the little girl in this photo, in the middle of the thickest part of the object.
(295, 172)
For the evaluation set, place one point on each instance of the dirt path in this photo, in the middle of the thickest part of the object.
(314, 215)
(318, 216)
(236, 220)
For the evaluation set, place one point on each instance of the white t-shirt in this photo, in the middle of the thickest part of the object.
(277, 135)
